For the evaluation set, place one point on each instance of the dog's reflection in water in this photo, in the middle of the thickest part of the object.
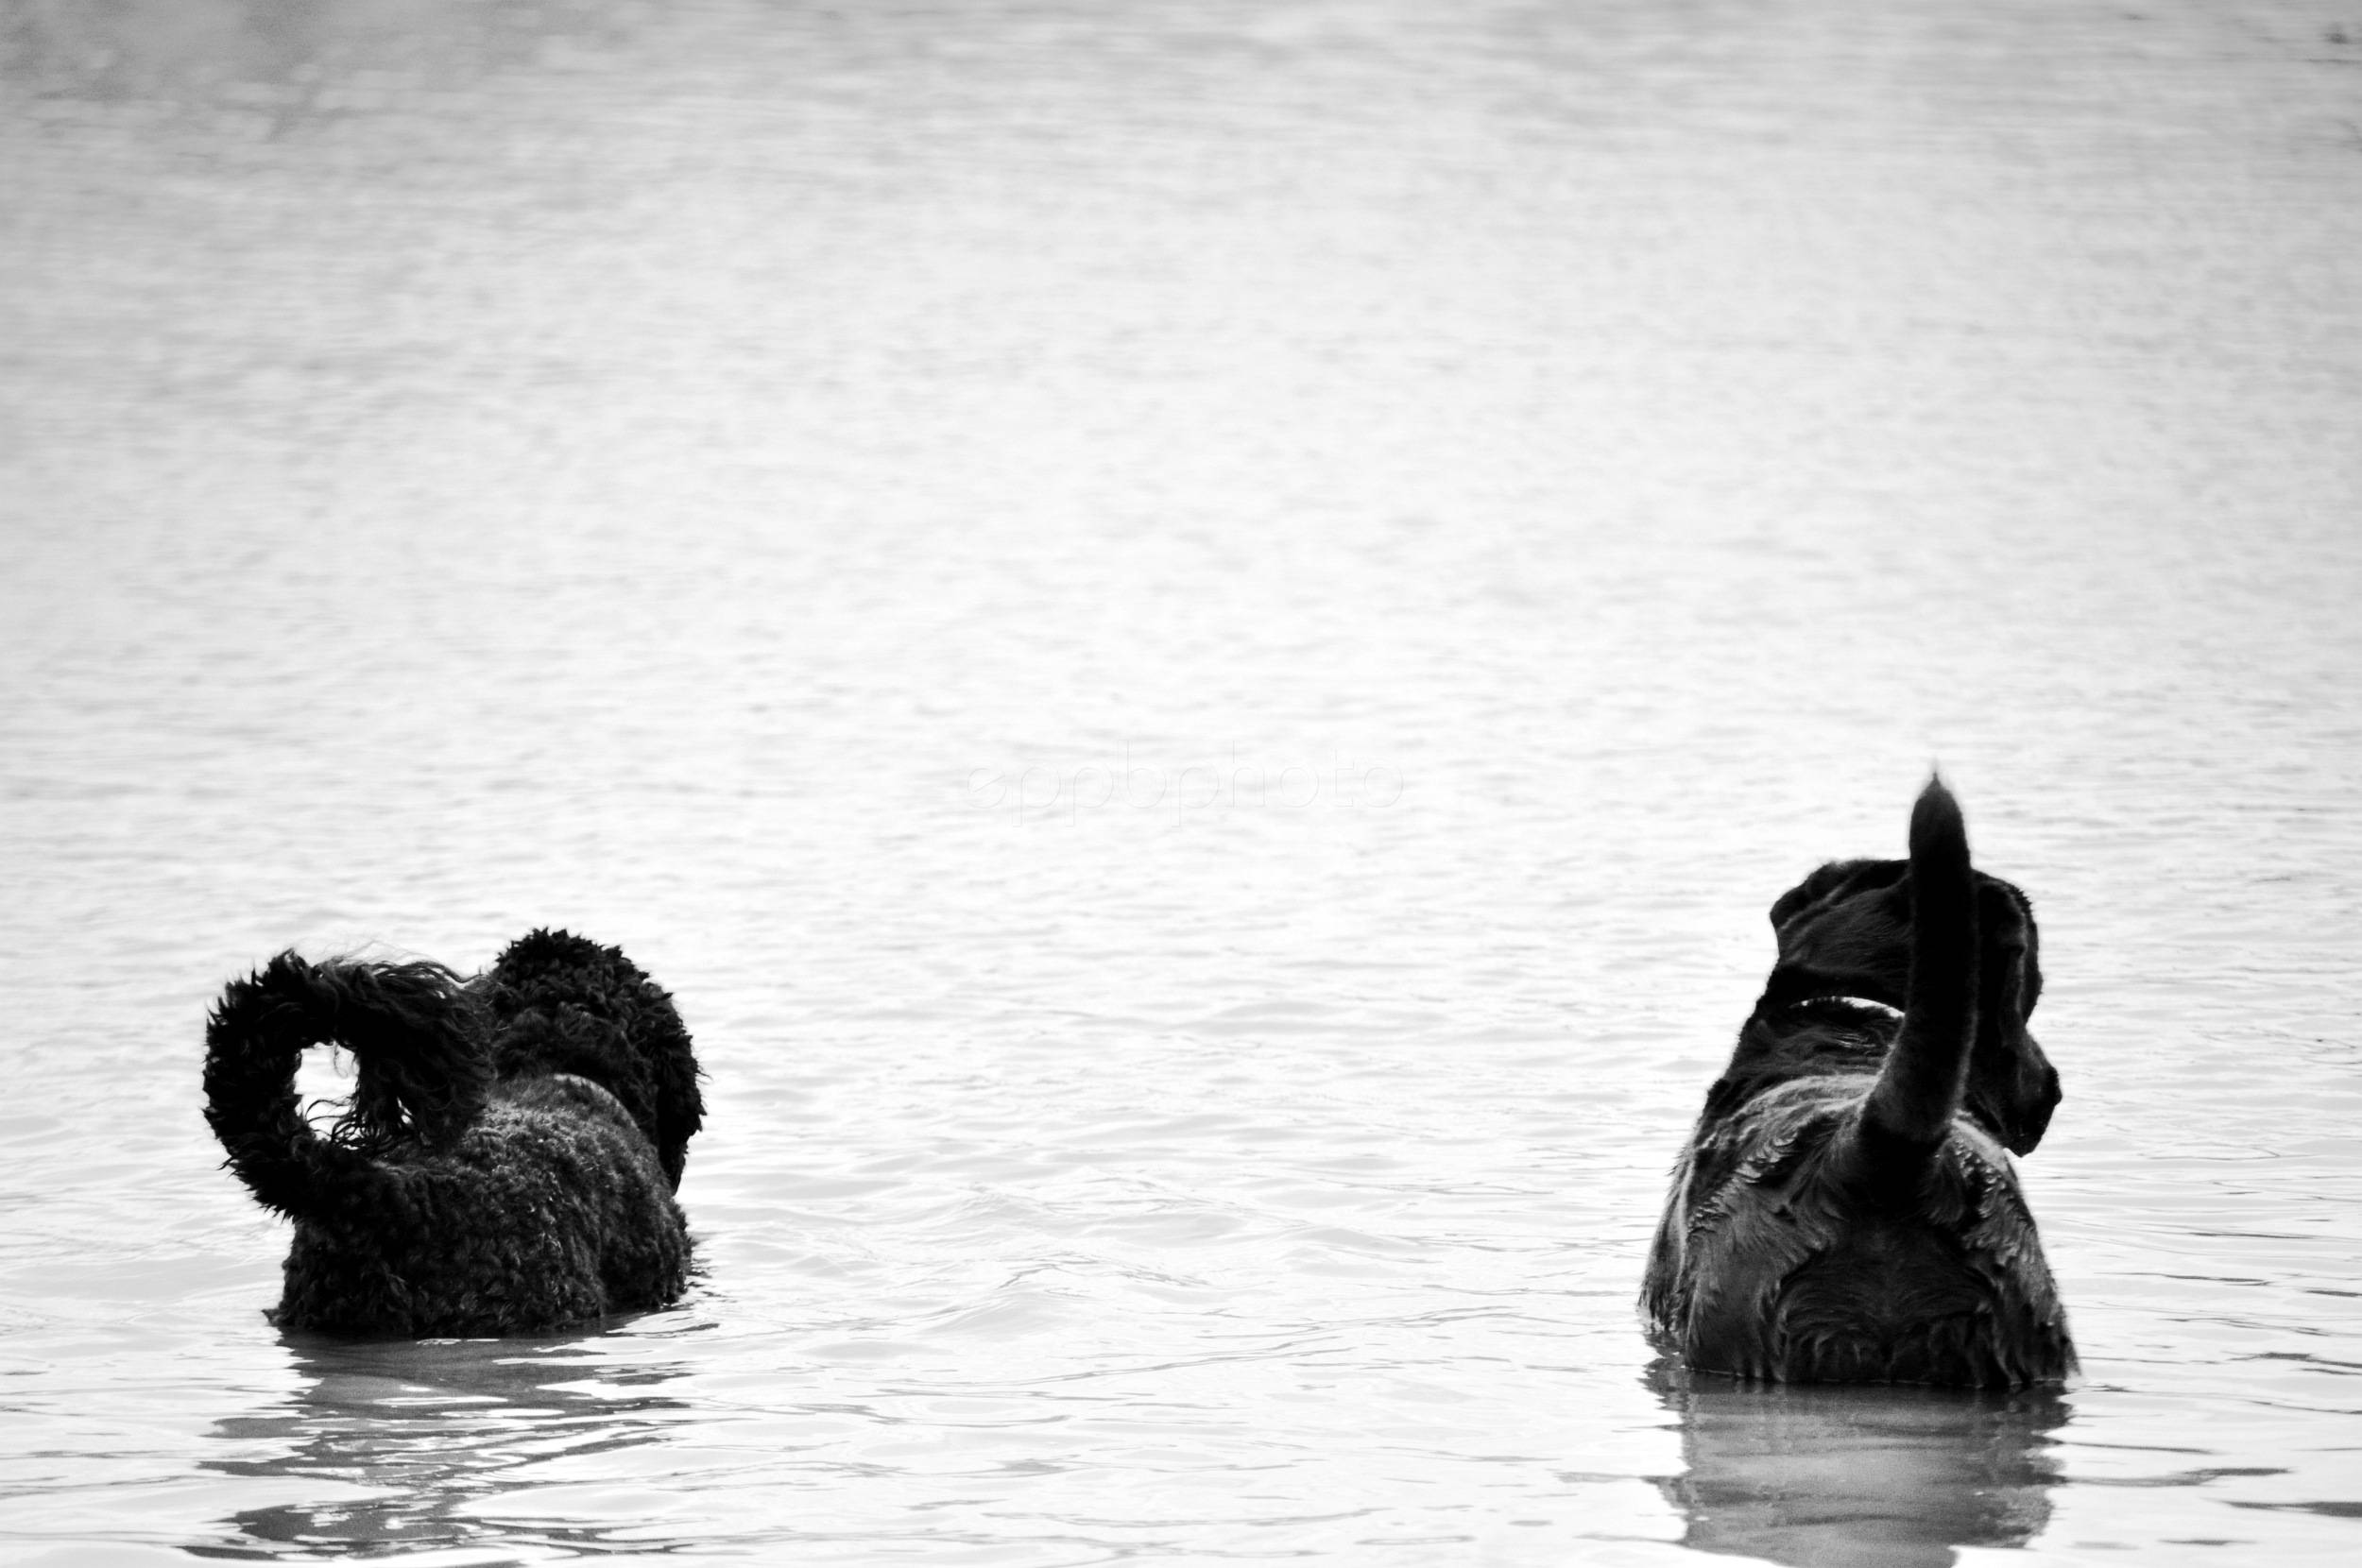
(421, 1443)
(1828, 1476)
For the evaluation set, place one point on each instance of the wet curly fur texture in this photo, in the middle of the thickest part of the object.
(508, 1162)
(1846, 1209)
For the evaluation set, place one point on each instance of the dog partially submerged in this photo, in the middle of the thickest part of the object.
(514, 1141)
(1845, 1211)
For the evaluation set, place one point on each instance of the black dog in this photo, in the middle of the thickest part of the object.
(1844, 1211)
(508, 1162)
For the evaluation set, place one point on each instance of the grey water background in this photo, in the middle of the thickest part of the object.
(1197, 636)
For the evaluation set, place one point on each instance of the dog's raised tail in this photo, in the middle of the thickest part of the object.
(422, 1071)
(1910, 1112)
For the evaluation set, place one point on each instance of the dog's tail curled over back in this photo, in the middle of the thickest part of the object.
(423, 1071)
(1909, 1114)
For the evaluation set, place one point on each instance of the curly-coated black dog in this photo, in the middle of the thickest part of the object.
(1845, 1211)
(508, 1162)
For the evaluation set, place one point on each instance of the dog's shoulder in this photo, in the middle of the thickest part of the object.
(552, 1128)
(1973, 1191)
(1796, 1076)
(566, 1094)
(563, 1120)
(1760, 1141)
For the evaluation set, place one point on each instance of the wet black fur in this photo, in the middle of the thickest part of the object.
(508, 1162)
(1846, 1209)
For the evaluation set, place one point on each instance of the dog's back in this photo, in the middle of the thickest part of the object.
(1836, 1215)
(547, 1210)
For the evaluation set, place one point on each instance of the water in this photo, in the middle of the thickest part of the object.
(1196, 635)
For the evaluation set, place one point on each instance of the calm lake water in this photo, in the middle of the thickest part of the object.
(1196, 635)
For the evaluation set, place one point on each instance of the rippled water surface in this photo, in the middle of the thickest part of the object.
(1196, 635)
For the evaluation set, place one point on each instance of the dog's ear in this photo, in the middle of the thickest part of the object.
(2011, 1085)
(2031, 979)
(1844, 932)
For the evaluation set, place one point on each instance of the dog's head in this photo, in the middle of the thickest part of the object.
(1846, 931)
